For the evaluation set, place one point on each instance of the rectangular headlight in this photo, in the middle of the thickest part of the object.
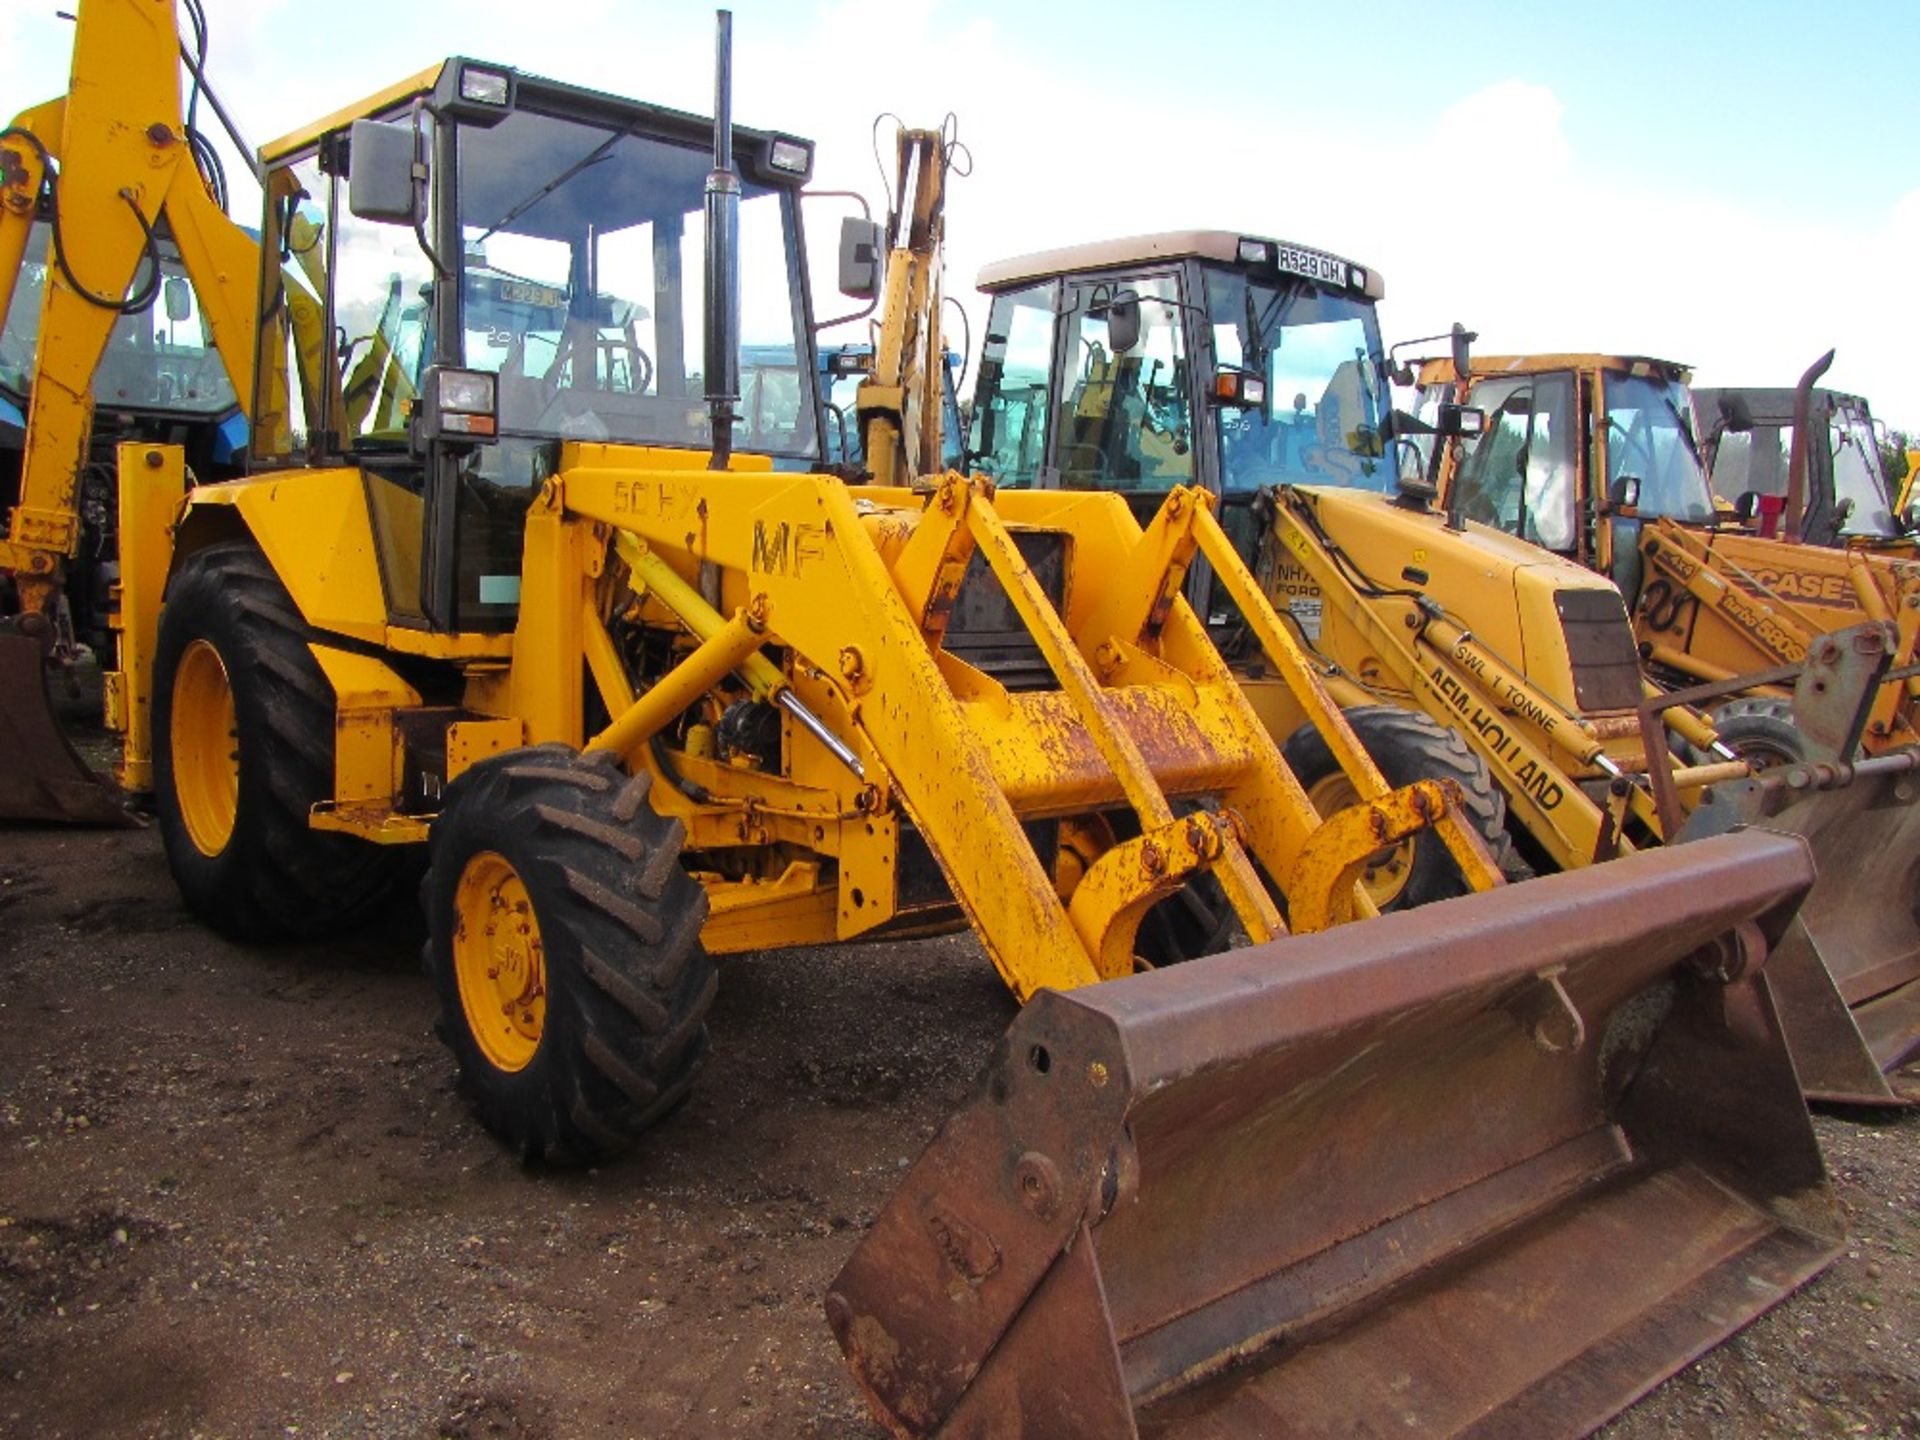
(1256, 252)
(484, 87)
(793, 156)
(466, 392)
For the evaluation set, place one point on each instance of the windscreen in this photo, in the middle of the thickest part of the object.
(582, 265)
(1857, 480)
(1319, 355)
(1650, 439)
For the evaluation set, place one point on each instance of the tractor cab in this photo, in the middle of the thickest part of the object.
(1847, 494)
(1577, 452)
(1189, 358)
(477, 265)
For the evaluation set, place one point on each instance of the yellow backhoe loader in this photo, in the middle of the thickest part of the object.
(651, 686)
(160, 353)
(1712, 596)
(1254, 370)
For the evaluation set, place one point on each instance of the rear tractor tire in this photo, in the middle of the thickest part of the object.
(242, 749)
(1407, 746)
(564, 944)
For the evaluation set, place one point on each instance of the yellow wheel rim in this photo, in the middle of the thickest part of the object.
(205, 748)
(498, 962)
(1388, 869)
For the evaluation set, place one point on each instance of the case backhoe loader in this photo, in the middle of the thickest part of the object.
(1254, 370)
(1738, 615)
(651, 687)
(1746, 436)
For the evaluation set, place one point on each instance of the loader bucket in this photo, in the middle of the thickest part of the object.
(1846, 976)
(41, 776)
(1494, 1166)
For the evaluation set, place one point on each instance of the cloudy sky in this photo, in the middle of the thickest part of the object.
(1733, 185)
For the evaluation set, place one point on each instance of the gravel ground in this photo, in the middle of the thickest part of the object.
(239, 1198)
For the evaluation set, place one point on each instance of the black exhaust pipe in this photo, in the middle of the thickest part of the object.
(723, 255)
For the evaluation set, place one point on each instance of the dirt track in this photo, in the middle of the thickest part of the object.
(238, 1198)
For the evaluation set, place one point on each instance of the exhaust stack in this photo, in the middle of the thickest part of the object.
(723, 254)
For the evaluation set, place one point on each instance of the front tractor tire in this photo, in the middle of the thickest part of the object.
(243, 724)
(1760, 730)
(1407, 746)
(564, 943)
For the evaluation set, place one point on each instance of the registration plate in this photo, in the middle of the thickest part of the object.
(1312, 264)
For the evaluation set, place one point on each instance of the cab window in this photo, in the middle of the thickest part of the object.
(1520, 476)
(1123, 422)
(1010, 409)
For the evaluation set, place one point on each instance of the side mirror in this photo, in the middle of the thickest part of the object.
(178, 298)
(1735, 417)
(1745, 505)
(1462, 339)
(380, 180)
(861, 243)
(1123, 321)
(1624, 492)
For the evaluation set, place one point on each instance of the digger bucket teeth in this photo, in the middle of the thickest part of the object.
(1498, 1165)
(41, 777)
(1846, 976)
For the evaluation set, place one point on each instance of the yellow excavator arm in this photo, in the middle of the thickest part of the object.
(110, 164)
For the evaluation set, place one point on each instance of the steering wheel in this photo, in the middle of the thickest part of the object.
(639, 363)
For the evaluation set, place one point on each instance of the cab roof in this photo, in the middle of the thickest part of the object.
(1221, 245)
(1773, 404)
(539, 92)
(1440, 371)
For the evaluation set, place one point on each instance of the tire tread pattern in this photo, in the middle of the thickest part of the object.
(278, 878)
(628, 984)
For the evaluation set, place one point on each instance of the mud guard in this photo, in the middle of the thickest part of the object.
(1498, 1165)
(42, 777)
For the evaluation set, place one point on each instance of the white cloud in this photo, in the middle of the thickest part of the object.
(1538, 248)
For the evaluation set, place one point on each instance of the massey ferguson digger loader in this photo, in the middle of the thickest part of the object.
(651, 687)
(1711, 598)
(1254, 370)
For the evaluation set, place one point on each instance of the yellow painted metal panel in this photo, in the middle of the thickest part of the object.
(152, 481)
(317, 535)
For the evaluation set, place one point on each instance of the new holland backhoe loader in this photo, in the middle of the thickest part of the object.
(1254, 369)
(1712, 598)
(651, 687)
